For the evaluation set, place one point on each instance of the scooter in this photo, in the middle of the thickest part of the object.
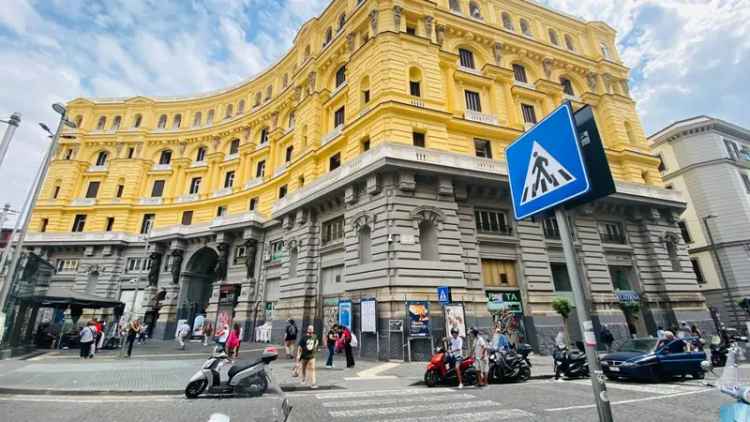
(720, 349)
(247, 379)
(729, 384)
(513, 365)
(438, 371)
(571, 364)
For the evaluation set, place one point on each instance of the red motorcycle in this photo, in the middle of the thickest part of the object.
(439, 372)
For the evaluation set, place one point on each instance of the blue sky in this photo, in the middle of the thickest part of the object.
(688, 57)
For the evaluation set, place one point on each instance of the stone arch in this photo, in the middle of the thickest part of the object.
(203, 261)
(533, 71)
(481, 54)
(95, 156)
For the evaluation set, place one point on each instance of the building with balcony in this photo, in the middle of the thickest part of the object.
(368, 162)
(708, 160)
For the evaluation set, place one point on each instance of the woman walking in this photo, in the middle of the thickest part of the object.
(208, 330)
(331, 339)
(346, 334)
(233, 342)
(88, 333)
(133, 329)
(221, 337)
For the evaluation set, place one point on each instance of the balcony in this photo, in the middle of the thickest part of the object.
(187, 198)
(330, 136)
(222, 192)
(151, 201)
(470, 70)
(197, 164)
(476, 116)
(417, 102)
(526, 85)
(614, 239)
(161, 167)
(231, 157)
(81, 237)
(253, 183)
(96, 168)
(281, 169)
(83, 202)
(339, 89)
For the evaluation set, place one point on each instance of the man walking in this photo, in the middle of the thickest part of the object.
(290, 339)
(183, 333)
(308, 344)
(132, 331)
(481, 356)
(607, 338)
(88, 333)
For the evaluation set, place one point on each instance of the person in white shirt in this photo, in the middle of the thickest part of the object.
(183, 333)
(87, 339)
(481, 356)
(455, 355)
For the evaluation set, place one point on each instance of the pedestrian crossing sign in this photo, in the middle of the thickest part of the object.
(545, 165)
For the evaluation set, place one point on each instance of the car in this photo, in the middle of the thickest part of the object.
(651, 359)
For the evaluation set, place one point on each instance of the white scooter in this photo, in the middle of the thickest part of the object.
(247, 379)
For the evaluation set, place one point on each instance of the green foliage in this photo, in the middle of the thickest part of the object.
(562, 307)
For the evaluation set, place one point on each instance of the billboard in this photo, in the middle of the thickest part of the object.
(369, 323)
(345, 313)
(418, 318)
(454, 318)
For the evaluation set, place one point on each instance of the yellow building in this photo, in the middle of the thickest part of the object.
(367, 162)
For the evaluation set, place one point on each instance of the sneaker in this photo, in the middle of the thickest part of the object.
(460, 386)
(314, 387)
(329, 366)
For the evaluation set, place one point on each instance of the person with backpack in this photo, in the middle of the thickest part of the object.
(290, 339)
(233, 342)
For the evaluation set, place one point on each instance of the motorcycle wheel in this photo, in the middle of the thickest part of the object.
(431, 378)
(252, 387)
(497, 374)
(195, 388)
(471, 378)
(524, 374)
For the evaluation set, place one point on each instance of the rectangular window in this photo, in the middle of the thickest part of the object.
(366, 96)
(289, 152)
(165, 158)
(612, 233)
(466, 58)
(221, 211)
(131, 152)
(411, 30)
(415, 89)
(79, 222)
(282, 191)
(494, 222)
(56, 192)
(148, 223)
(45, 222)
(567, 87)
(120, 190)
(550, 228)
(260, 169)
(621, 278)
(529, 115)
(746, 181)
(67, 265)
(338, 117)
(333, 230)
(365, 145)
(277, 250)
(195, 185)
(253, 204)
(519, 73)
(334, 162)
(240, 254)
(560, 278)
(662, 166)
(158, 189)
(499, 273)
(418, 139)
(697, 270)
(229, 179)
(473, 102)
(110, 224)
(234, 147)
(340, 76)
(732, 149)
(483, 148)
(263, 135)
(187, 218)
(92, 190)
(137, 264)
(685, 233)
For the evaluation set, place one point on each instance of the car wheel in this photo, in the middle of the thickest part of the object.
(195, 388)
(699, 375)
(431, 378)
(611, 377)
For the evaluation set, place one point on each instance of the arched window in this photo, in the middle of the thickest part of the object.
(269, 92)
(137, 121)
(241, 107)
(116, 122)
(329, 36)
(525, 29)
(197, 119)
(340, 76)
(428, 241)
(210, 117)
(553, 37)
(228, 112)
(200, 155)
(569, 43)
(415, 82)
(455, 6)
(507, 21)
(474, 10)
(177, 121)
(342, 21)
(293, 253)
(101, 123)
(290, 123)
(567, 86)
(79, 120)
(258, 98)
(101, 158)
(605, 50)
(162, 121)
(165, 157)
(285, 80)
(365, 245)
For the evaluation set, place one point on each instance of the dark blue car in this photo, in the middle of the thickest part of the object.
(651, 359)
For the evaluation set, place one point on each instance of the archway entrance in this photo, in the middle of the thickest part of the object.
(197, 282)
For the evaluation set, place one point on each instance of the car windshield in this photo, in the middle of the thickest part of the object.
(641, 345)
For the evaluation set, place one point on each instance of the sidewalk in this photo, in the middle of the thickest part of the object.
(541, 368)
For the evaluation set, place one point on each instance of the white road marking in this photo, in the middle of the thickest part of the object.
(218, 417)
(468, 417)
(380, 393)
(669, 396)
(412, 409)
(377, 370)
(89, 399)
(371, 378)
(662, 389)
(397, 400)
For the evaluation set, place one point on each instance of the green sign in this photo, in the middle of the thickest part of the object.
(500, 301)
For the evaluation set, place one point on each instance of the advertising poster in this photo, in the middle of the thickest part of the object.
(454, 318)
(418, 318)
(224, 317)
(179, 324)
(198, 325)
(345, 313)
(368, 316)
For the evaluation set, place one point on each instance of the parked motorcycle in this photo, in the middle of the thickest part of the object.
(720, 349)
(439, 372)
(513, 365)
(248, 379)
(570, 364)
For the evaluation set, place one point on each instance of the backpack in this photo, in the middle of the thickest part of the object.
(354, 342)
(291, 331)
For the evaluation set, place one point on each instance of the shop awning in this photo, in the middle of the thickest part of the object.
(59, 297)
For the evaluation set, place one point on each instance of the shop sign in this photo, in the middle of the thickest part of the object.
(455, 319)
(229, 293)
(627, 296)
(418, 317)
(508, 300)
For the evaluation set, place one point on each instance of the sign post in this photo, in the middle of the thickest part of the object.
(547, 169)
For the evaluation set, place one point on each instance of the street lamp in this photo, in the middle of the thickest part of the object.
(12, 122)
(29, 204)
(722, 274)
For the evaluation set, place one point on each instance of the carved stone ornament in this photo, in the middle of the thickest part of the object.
(592, 81)
(360, 220)
(118, 148)
(427, 214)
(428, 26)
(274, 119)
(153, 274)
(311, 82)
(440, 34)
(215, 142)
(183, 147)
(251, 248)
(221, 263)
(297, 93)
(547, 65)
(608, 82)
(374, 21)
(397, 18)
(625, 87)
(176, 265)
(498, 52)
(350, 41)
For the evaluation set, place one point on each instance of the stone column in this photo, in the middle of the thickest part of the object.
(245, 311)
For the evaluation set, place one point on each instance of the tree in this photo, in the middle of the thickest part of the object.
(562, 306)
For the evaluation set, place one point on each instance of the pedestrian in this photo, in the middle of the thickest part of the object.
(481, 356)
(331, 339)
(290, 338)
(182, 334)
(233, 342)
(208, 330)
(142, 334)
(346, 334)
(87, 334)
(308, 344)
(455, 354)
(221, 337)
(684, 330)
(697, 338)
(659, 332)
(606, 337)
(132, 331)
(560, 339)
(502, 343)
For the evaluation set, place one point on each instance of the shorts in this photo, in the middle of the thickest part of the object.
(455, 360)
(483, 365)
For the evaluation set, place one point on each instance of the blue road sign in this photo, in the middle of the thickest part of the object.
(545, 165)
(444, 295)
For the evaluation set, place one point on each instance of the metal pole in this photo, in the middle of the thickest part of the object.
(15, 120)
(584, 319)
(722, 274)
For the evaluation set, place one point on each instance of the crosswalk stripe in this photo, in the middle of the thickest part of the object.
(414, 399)
(468, 417)
(412, 409)
(381, 393)
(661, 389)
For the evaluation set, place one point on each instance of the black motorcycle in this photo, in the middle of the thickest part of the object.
(719, 351)
(512, 365)
(570, 363)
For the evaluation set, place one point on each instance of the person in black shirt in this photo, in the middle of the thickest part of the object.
(308, 345)
(290, 338)
(331, 338)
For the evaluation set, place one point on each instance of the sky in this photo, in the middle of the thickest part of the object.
(688, 57)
